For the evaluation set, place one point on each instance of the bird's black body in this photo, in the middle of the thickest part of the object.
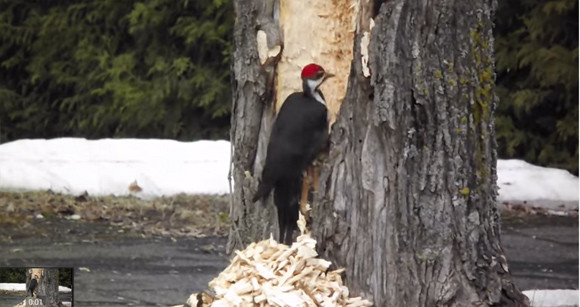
(32, 286)
(300, 132)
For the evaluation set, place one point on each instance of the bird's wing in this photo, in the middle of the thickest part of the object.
(294, 142)
(310, 135)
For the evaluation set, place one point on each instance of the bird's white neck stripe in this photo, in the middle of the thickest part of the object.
(318, 97)
(312, 86)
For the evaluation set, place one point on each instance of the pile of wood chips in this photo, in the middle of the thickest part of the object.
(271, 274)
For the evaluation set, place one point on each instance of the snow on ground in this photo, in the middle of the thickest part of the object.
(109, 166)
(552, 298)
(519, 180)
(22, 287)
(167, 167)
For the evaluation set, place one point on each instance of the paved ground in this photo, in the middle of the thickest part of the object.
(542, 251)
(113, 268)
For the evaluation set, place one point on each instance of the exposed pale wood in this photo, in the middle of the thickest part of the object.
(322, 32)
(310, 186)
(306, 184)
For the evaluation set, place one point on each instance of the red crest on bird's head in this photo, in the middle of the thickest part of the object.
(312, 71)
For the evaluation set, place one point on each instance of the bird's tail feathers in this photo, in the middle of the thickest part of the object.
(286, 196)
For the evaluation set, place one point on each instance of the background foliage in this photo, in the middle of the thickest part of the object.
(13, 275)
(65, 277)
(160, 68)
(111, 68)
(537, 66)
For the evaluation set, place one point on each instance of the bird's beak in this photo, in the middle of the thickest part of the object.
(327, 76)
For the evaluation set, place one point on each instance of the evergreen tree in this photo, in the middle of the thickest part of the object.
(12, 275)
(156, 68)
(537, 65)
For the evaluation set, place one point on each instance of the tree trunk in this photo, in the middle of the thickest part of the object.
(252, 114)
(408, 196)
(48, 287)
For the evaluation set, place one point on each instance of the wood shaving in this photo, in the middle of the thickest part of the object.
(271, 274)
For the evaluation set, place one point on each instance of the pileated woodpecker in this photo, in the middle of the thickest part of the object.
(299, 134)
(32, 285)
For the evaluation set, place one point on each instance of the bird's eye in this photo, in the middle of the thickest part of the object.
(319, 74)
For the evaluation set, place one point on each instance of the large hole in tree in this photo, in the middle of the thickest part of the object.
(319, 32)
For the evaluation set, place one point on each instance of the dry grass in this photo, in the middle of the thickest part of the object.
(181, 215)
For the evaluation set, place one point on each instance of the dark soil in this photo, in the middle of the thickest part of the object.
(177, 216)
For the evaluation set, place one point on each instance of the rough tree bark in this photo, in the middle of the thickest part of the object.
(407, 200)
(48, 287)
(409, 194)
